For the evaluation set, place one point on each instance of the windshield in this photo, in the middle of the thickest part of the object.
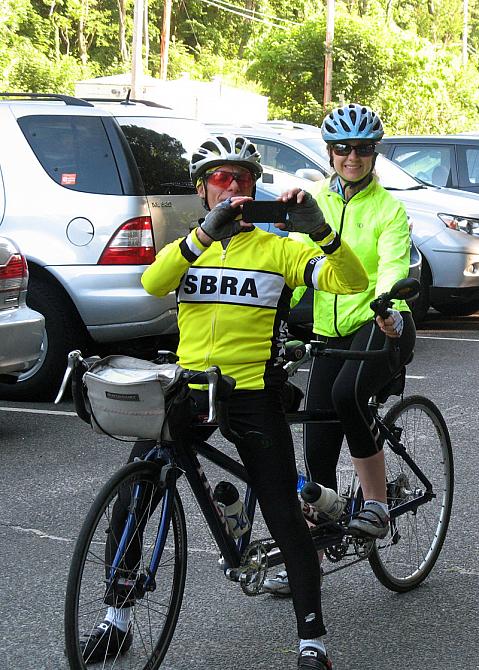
(391, 176)
(162, 148)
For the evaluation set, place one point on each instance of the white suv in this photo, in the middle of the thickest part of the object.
(445, 221)
(72, 196)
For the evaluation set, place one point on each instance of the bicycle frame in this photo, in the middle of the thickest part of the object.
(181, 457)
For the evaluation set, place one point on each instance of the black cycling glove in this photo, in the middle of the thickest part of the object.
(221, 223)
(306, 217)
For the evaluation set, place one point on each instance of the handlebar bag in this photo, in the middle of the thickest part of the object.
(127, 395)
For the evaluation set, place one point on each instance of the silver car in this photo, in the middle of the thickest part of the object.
(21, 328)
(445, 221)
(73, 197)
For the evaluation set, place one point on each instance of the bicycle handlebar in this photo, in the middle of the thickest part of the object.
(389, 352)
(297, 352)
(220, 388)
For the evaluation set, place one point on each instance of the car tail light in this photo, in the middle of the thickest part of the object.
(132, 244)
(13, 279)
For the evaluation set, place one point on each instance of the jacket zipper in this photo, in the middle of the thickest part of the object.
(335, 309)
(213, 320)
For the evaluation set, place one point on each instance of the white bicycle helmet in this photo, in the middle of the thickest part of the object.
(352, 122)
(220, 149)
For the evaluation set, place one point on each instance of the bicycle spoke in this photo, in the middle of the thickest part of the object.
(405, 559)
(92, 585)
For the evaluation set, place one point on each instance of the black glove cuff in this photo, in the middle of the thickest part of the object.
(331, 246)
(321, 233)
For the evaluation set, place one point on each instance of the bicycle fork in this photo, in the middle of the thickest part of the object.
(126, 583)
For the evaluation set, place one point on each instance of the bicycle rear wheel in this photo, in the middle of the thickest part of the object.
(408, 553)
(154, 612)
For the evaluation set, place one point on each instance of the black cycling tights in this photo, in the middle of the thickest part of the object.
(272, 470)
(346, 386)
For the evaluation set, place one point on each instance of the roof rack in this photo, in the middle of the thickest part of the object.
(128, 101)
(67, 99)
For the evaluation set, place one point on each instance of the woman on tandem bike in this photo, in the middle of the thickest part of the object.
(375, 225)
(234, 284)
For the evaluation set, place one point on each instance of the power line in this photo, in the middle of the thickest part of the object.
(254, 12)
(214, 3)
(191, 23)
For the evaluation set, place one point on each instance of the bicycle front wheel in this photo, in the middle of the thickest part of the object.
(408, 553)
(154, 599)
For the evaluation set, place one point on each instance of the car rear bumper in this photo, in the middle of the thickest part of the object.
(113, 304)
(21, 335)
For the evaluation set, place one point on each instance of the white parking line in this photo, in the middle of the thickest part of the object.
(453, 339)
(28, 410)
(46, 536)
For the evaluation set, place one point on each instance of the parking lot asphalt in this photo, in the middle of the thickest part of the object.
(52, 464)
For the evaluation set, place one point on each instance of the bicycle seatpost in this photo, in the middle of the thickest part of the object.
(212, 376)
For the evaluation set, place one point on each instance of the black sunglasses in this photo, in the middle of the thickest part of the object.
(342, 149)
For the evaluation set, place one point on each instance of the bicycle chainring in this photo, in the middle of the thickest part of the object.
(253, 568)
(336, 552)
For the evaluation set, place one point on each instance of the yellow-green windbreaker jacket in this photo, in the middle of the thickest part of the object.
(374, 224)
(233, 303)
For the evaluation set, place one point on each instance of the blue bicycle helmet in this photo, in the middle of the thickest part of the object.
(352, 122)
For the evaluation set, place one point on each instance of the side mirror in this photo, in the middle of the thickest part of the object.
(310, 173)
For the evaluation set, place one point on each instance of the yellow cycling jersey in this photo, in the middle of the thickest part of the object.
(233, 302)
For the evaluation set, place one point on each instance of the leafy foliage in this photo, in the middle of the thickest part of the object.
(415, 86)
(403, 57)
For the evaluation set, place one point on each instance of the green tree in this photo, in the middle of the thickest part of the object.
(417, 87)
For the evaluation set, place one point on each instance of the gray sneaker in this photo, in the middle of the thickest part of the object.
(279, 585)
(372, 520)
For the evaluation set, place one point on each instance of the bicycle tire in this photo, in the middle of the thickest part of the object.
(405, 558)
(155, 613)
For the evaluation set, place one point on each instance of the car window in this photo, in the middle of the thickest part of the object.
(280, 156)
(318, 145)
(74, 151)
(429, 163)
(162, 148)
(468, 163)
(394, 178)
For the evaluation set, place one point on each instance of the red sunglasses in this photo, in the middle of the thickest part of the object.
(224, 179)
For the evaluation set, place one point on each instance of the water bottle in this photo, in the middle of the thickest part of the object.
(302, 480)
(227, 496)
(324, 500)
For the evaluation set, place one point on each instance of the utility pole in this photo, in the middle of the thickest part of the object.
(165, 39)
(465, 30)
(136, 57)
(328, 54)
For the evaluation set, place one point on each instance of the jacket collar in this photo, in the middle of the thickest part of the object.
(336, 187)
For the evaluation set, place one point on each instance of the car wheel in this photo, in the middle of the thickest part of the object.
(63, 332)
(420, 306)
(454, 309)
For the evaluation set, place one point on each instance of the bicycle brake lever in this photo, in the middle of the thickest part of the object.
(212, 376)
(73, 357)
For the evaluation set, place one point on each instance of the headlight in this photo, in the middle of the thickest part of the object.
(464, 223)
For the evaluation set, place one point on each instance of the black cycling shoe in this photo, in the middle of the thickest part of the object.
(310, 658)
(104, 641)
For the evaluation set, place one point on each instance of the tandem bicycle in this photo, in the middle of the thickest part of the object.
(139, 559)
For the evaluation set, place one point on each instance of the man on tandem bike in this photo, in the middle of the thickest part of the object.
(234, 284)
